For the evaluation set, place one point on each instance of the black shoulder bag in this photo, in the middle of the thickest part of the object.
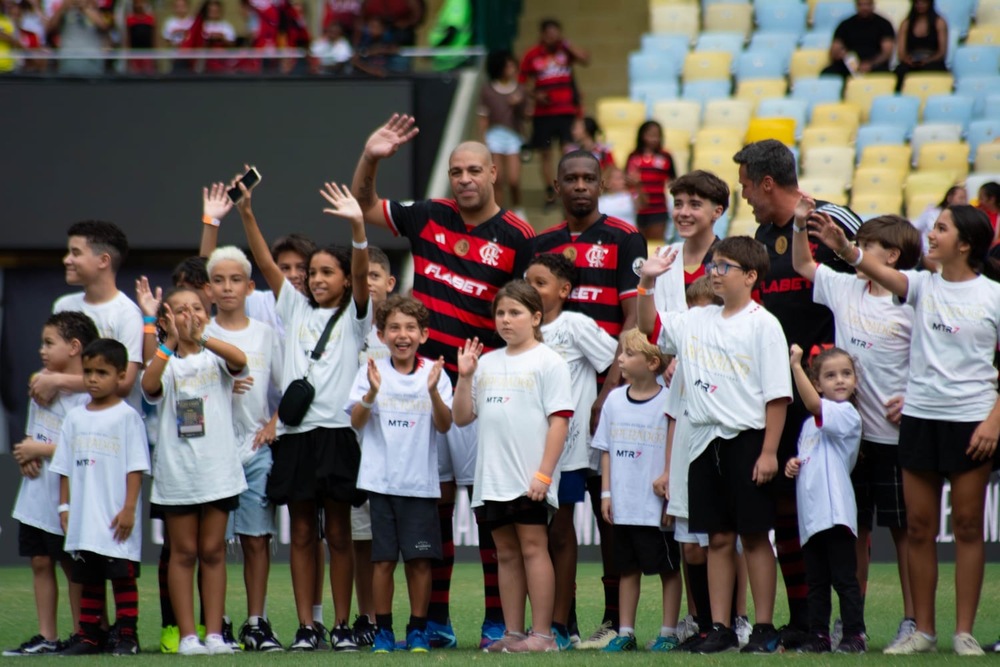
(299, 395)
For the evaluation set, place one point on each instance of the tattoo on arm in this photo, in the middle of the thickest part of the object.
(366, 193)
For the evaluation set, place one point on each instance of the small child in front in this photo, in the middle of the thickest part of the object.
(101, 458)
(632, 439)
(399, 405)
(828, 514)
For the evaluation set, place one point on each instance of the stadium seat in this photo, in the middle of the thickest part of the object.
(978, 87)
(622, 142)
(879, 134)
(872, 205)
(755, 90)
(729, 17)
(730, 42)
(720, 162)
(652, 67)
(836, 113)
(894, 10)
(808, 64)
(619, 111)
(777, 44)
(678, 143)
(944, 156)
(836, 162)
(988, 13)
(829, 135)
(817, 39)
(782, 129)
(861, 90)
(933, 133)
(977, 179)
(719, 138)
(877, 180)
(706, 3)
(701, 65)
(925, 84)
(983, 131)
(901, 110)
(928, 182)
(886, 156)
(758, 65)
(983, 35)
(976, 61)
(958, 14)
(817, 90)
(781, 16)
(785, 107)
(949, 109)
(828, 14)
(676, 19)
(829, 189)
(728, 113)
(674, 46)
(703, 91)
(915, 206)
(988, 157)
(680, 114)
(653, 91)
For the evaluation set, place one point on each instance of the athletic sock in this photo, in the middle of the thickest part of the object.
(441, 570)
(793, 568)
(167, 617)
(383, 622)
(611, 600)
(698, 580)
(491, 576)
(126, 594)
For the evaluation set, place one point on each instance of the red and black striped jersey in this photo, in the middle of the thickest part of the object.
(553, 75)
(605, 254)
(655, 171)
(458, 269)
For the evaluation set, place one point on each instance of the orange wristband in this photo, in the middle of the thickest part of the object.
(160, 355)
(209, 220)
(149, 329)
(643, 291)
(543, 478)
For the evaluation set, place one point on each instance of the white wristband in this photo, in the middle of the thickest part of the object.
(366, 405)
(62, 508)
(204, 339)
(359, 246)
(796, 228)
(605, 494)
(861, 254)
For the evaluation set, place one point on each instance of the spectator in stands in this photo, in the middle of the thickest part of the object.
(502, 103)
(402, 16)
(585, 132)
(295, 26)
(8, 39)
(989, 201)
(211, 31)
(376, 52)
(27, 29)
(81, 27)
(649, 169)
(923, 41)
(140, 33)
(332, 51)
(862, 43)
(557, 100)
(176, 27)
(346, 14)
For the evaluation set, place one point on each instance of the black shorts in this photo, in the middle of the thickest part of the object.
(722, 496)
(493, 514)
(227, 505)
(546, 128)
(33, 541)
(317, 465)
(930, 445)
(878, 486)
(403, 525)
(91, 568)
(646, 549)
(644, 220)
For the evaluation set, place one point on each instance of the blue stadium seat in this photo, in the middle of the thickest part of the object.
(829, 13)
(644, 67)
(902, 110)
(731, 42)
(982, 131)
(706, 89)
(818, 90)
(776, 44)
(949, 109)
(976, 61)
(958, 14)
(785, 107)
(659, 43)
(875, 134)
(781, 16)
(759, 65)
(817, 39)
(978, 88)
(653, 91)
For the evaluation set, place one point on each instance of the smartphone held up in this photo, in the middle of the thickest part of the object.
(249, 180)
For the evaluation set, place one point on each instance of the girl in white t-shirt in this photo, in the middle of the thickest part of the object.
(951, 417)
(828, 514)
(316, 461)
(197, 475)
(517, 393)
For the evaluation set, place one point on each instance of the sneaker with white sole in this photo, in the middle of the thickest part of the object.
(664, 644)
(966, 645)
(687, 627)
(259, 637)
(217, 645)
(191, 645)
(602, 637)
(342, 639)
(743, 630)
(906, 628)
(915, 643)
(838, 632)
(37, 645)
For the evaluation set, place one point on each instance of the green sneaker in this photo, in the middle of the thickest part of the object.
(170, 639)
(621, 643)
(664, 644)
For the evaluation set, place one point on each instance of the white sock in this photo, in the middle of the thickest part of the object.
(667, 632)
(318, 613)
(928, 637)
(214, 637)
(254, 621)
(625, 630)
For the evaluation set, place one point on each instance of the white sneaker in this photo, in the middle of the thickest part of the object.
(687, 627)
(915, 643)
(838, 632)
(191, 645)
(743, 630)
(906, 628)
(602, 637)
(965, 645)
(216, 645)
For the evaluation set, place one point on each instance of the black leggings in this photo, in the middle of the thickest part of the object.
(831, 561)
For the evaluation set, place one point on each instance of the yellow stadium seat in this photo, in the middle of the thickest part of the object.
(719, 162)
(680, 114)
(925, 84)
(829, 189)
(917, 204)
(755, 90)
(870, 205)
(984, 35)
(659, 3)
(841, 114)
(622, 142)
(861, 90)
(808, 63)
(782, 129)
(876, 180)
(619, 111)
(728, 113)
(988, 13)
(920, 183)
(988, 157)
(887, 156)
(678, 144)
(824, 135)
(729, 17)
(719, 138)
(681, 19)
(834, 162)
(894, 10)
(699, 65)
(944, 155)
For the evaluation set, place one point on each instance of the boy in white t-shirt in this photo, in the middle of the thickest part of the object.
(632, 439)
(40, 534)
(587, 350)
(254, 520)
(877, 332)
(738, 387)
(400, 405)
(101, 458)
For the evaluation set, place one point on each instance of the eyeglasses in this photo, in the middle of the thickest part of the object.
(722, 268)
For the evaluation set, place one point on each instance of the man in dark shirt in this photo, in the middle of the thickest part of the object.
(868, 36)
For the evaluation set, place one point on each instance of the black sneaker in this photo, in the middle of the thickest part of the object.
(80, 644)
(259, 637)
(306, 639)
(322, 636)
(819, 643)
(364, 631)
(37, 645)
(126, 643)
(791, 638)
(342, 639)
(720, 640)
(228, 636)
(763, 639)
(853, 644)
(691, 644)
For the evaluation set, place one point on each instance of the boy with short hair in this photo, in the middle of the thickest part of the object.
(588, 350)
(254, 520)
(634, 427)
(101, 459)
(399, 405)
(877, 332)
(738, 391)
(40, 534)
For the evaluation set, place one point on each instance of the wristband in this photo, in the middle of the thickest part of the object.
(203, 341)
(209, 220)
(605, 494)
(149, 319)
(165, 351)
(643, 291)
(63, 508)
(359, 245)
(797, 229)
(149, 329)
(543, 478)
(366, 405)
(857, 262)
(160, 355)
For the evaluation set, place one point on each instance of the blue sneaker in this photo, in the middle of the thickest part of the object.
(441, 635)
(416, 641)
(492, 631)
(385, 641)
(563, 640)
(664, 644)
(620, 644)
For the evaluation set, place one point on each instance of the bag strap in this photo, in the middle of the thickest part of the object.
(324, 337)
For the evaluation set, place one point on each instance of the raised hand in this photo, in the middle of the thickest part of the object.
(468, 357)
(243, 205)
(374, 377)
(824, 229)
(804, 209)
(147, 300)
(168, 322)
(795, 355)
(385, 141)
(215, 201)
(659, 263)
(342, 203)
(434, 375)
